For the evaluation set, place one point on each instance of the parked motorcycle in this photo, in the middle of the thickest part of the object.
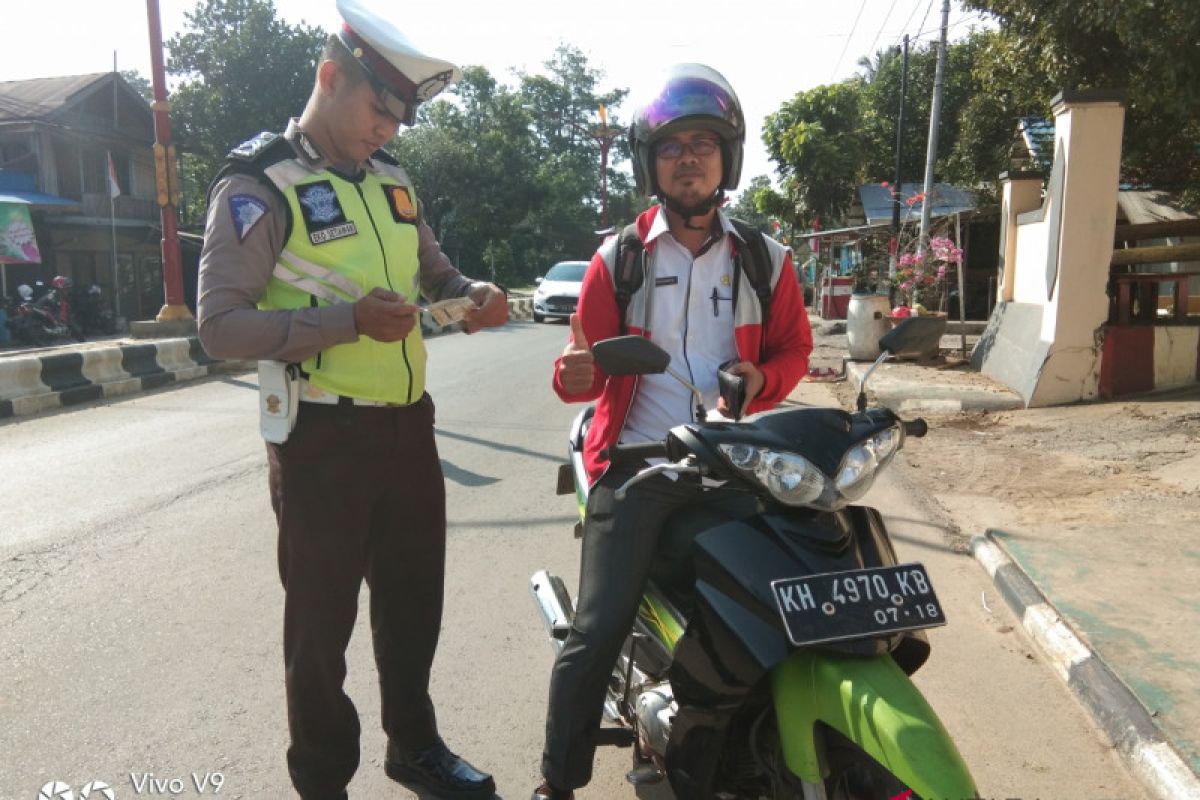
(88, 307)
(771, 654)
(39, 320)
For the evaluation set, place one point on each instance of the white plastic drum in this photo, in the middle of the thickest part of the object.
(866, 321)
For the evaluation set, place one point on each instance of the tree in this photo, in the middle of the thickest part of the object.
(242, 71)
(817, 145)
(1148, 49)
(746, 206)
(140, 84)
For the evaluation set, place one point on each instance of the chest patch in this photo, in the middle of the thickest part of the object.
(401, 203)
(324, 219)
(669, 281)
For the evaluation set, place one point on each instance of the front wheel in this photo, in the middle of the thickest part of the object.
(854, 775)
(539, 317)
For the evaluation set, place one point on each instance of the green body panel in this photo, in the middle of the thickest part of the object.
(655, 614)
(872, 703)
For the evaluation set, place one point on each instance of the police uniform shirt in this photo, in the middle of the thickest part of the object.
(244, 235)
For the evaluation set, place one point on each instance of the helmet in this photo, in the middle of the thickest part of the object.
(25, 292)
(62, 282)
(688, 96)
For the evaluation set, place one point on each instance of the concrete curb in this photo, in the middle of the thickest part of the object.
(36, 383)
(31, 384)
(1115, 708)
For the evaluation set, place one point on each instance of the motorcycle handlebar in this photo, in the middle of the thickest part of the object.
(635, 453)
(916, 427)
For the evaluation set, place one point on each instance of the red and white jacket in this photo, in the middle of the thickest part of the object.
(783, 360)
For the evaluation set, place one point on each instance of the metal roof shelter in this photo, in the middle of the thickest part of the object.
(877, 201)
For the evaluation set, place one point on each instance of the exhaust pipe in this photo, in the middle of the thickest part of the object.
(554, 606)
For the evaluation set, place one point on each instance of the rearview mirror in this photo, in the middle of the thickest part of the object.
(630, 355)
(911, 338)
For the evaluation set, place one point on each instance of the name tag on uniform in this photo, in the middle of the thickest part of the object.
(324, 219)
(670, 281)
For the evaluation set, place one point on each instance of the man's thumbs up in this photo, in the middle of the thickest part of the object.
(576, 369)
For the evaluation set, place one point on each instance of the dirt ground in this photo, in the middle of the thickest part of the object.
(1134, 462)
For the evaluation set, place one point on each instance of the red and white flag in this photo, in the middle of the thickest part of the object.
(114, 188)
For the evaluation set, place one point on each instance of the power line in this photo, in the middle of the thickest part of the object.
(908, 21)
(886, 17)
(853, 28)
(921, 29)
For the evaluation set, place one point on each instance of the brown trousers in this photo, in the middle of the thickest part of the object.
(358, 494)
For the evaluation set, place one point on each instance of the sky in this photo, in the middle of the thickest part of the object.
(768, 49)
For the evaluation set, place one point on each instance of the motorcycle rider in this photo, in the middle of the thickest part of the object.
(687, 141)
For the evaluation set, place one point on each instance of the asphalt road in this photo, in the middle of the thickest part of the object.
(140, 607)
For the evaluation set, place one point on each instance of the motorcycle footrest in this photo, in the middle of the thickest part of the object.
(566, 480)
(615, 737)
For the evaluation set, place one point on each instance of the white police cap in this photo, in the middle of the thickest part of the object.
(403, 75)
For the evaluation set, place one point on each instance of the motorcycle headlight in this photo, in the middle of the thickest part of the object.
(860, 466)
(790, 478)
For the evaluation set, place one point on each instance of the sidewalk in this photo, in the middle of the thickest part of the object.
(1109, 590)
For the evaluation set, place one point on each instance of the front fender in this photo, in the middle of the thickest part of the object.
(872, 703)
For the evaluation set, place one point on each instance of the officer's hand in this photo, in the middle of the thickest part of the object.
(576, 370)
(384, 315)
(754, 384)
(491, 308)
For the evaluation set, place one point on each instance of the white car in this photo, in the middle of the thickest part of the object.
(557, 291)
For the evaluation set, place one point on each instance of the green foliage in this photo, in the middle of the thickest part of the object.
(509, 177)
(817, 144)
(1146, 48)
(831, 138)
(139, 83)
(241, 71)
(746, 206)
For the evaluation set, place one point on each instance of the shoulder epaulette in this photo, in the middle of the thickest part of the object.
(253, 149)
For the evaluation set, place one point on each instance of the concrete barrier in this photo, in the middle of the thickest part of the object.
(30, 384)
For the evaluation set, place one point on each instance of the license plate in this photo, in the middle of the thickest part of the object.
(857, 604)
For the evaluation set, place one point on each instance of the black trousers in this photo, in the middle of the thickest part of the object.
(619, 545)
(358, 494)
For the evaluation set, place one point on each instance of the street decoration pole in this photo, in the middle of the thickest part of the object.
(165, 178)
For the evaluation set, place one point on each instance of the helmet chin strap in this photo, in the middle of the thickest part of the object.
(698, 210)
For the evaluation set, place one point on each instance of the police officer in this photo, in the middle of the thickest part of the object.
(315, 250)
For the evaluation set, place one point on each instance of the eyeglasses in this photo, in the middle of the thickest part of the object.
(672, 149)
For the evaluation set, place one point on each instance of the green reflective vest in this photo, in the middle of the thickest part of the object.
(349, 236)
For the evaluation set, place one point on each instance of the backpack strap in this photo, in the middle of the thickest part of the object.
(751, 256)
(629, 269)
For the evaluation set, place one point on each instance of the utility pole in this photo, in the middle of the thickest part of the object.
(166, 179)
(934, 111)
(898, 185)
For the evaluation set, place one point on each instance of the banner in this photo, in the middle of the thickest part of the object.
(17, 243)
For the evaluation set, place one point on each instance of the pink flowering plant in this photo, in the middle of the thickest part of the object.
(921, 279)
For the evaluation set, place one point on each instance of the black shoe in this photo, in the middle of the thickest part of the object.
(548, 792)
(437, 770)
